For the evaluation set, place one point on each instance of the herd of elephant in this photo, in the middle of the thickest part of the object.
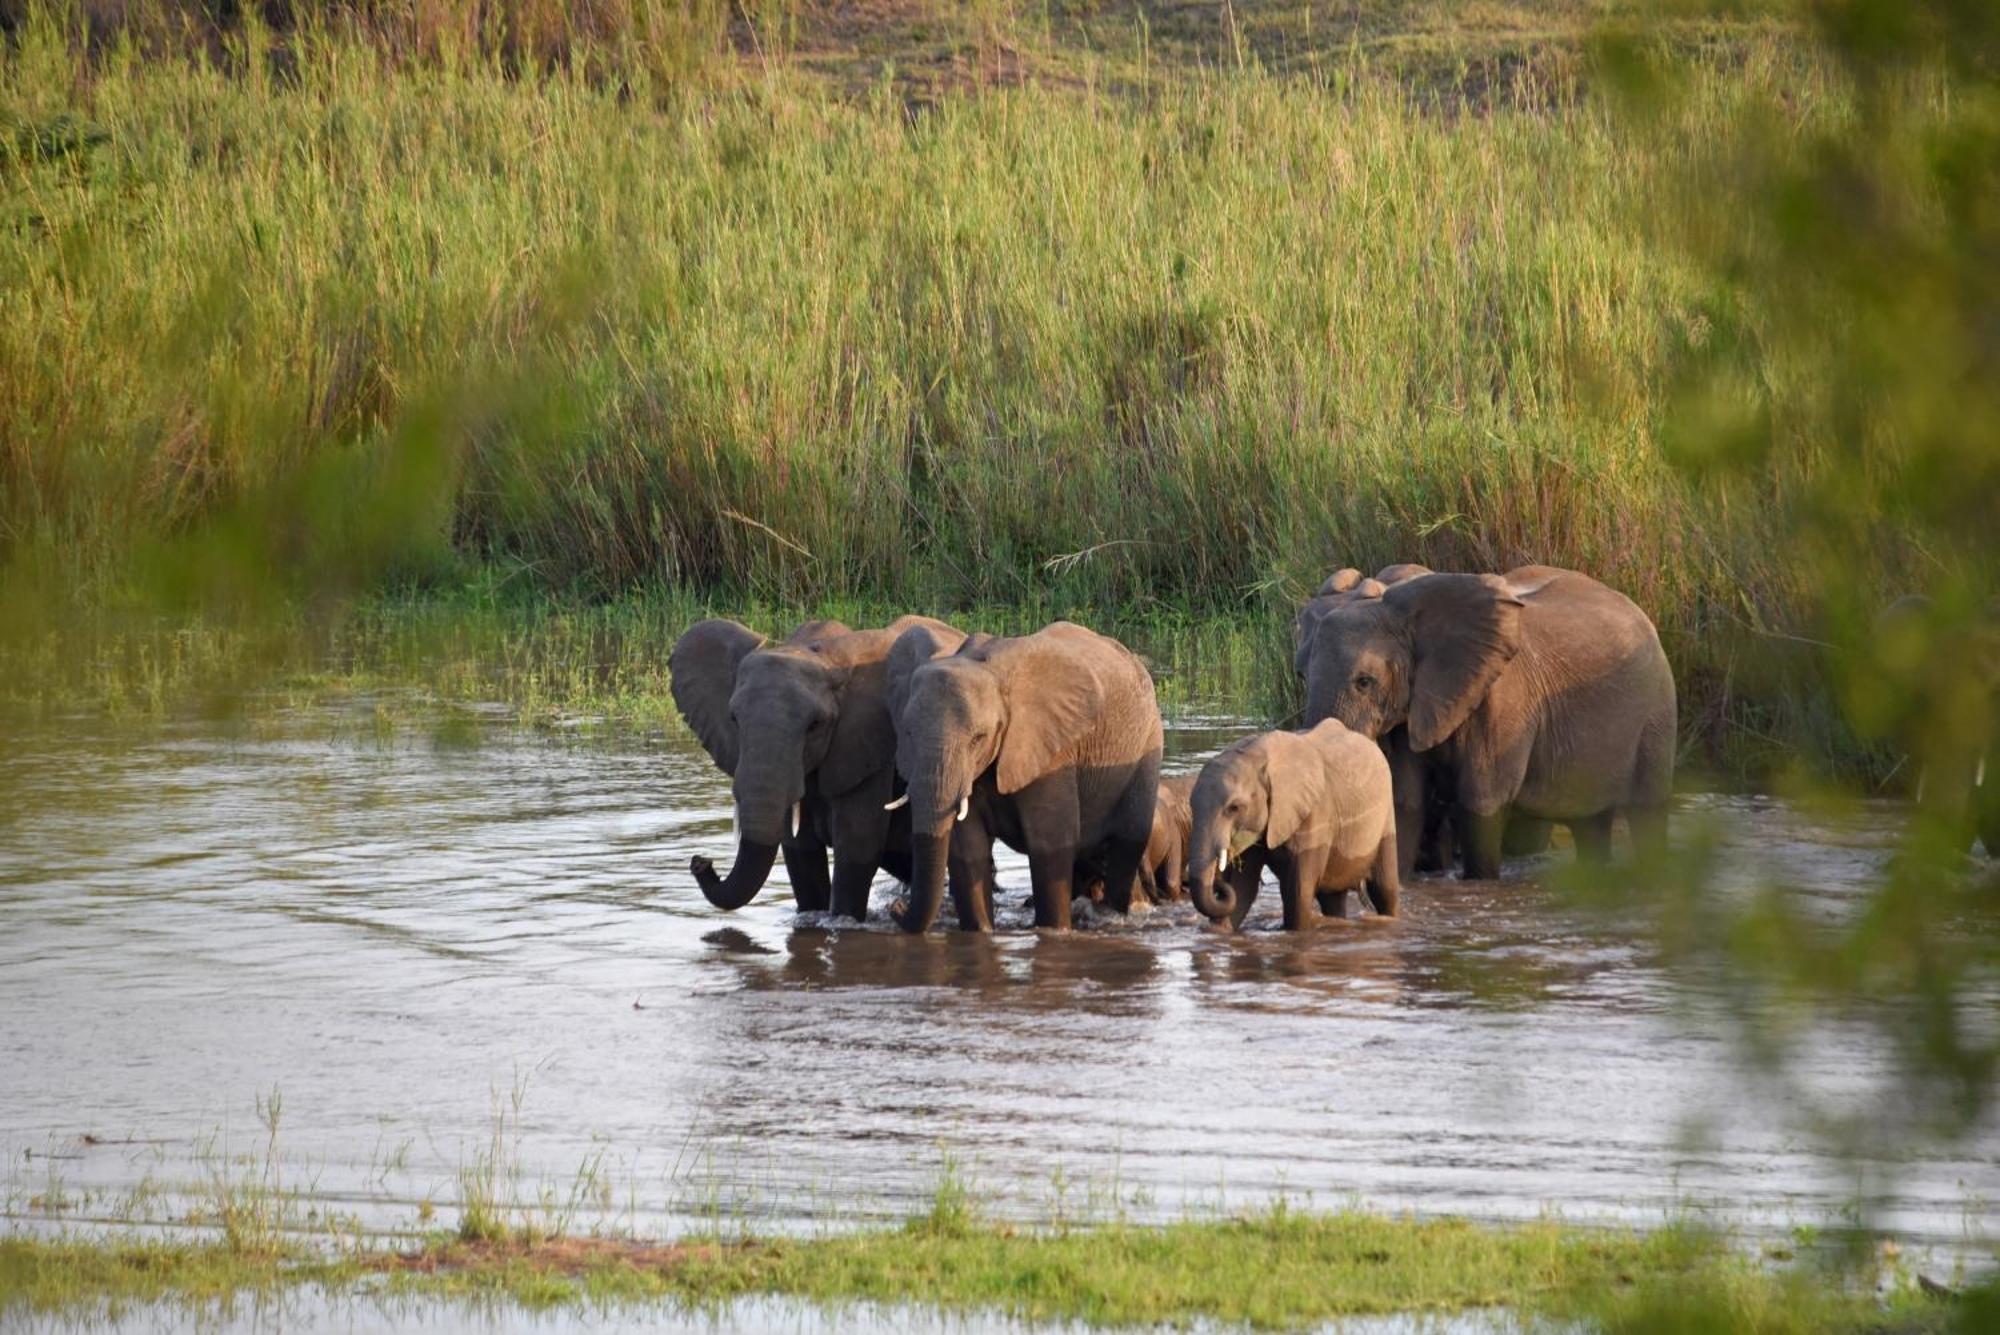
(1448, 717)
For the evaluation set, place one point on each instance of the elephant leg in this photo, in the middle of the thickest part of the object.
(971, 872)
(851, 883)
(898, 863)
(805, 860)
(1649, 831)
(1332, 903)
(1147, 891)
(1525, 836)
(1175, 874)
(1385, 883)
(1593, 838)
(1435, 837)
(1051, 873)
(1298, 882)
(1121, 872)
(1482, 836)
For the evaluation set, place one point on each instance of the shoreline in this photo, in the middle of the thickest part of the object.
(1315, 1268)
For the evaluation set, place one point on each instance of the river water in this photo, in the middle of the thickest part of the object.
(482, 957)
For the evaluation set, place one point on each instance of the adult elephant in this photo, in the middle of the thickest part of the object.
(1423, 783)
(1050, 742)
(1545, 695)
(803, 730)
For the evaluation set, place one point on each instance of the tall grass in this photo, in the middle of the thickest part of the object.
(344, 322)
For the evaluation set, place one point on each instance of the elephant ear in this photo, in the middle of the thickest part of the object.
(812, 632)
(702, 676)
(1303, 626)
(913, 648)
(1464, 630)
(1294, 786)
(1054, 696)
(864, 733)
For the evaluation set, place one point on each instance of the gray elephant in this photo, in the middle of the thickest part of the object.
(1315, 806)
(803, 730)
(1049, 742)
(1956, 774)
(1546, 695)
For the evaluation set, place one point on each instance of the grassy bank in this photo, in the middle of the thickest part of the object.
(1279, 1270)
(1141, 339)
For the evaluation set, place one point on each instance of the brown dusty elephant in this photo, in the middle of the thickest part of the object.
(1164, 865)
(1049, 742)
(1423, 782)
(1956, 750)
(1316, 807)
(1546, 694)
(803, 730)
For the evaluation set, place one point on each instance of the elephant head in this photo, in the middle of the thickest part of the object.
(1424, 653)
(1261, 790)
(1009, 706)
(769, 716)
(1341, 589)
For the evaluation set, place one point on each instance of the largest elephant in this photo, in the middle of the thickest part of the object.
(804, 732)
(1545, 694)
(1050, 742)
(1423, 783)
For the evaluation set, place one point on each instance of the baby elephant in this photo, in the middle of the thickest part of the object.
(1315, 806)
(1160, 870)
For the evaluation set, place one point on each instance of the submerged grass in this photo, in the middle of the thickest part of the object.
(1279, 1269)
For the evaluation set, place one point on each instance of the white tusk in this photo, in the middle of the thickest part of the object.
(1920, 787)
(795, 818)
(1222, 861)
(902, 801)
(964, 805)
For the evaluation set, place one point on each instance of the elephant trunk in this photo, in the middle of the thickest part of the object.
(745, 879)
(1213, 896)
(769, 789)
(1207, 885)
(927, 876)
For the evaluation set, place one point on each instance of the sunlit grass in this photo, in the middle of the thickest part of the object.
(280, 338)
(1279, 1269)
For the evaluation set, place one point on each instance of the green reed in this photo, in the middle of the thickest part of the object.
(284, 332)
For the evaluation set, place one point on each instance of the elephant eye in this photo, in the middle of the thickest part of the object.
(1362, 681)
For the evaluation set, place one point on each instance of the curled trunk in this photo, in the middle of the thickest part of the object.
(1213, 895)
(745, 879)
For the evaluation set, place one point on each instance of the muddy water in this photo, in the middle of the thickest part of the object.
(450, 959)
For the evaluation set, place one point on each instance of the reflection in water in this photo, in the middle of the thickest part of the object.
(401, 938)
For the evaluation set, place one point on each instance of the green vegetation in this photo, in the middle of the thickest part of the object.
(423, 660)
(1280, 1269)
(340, 309)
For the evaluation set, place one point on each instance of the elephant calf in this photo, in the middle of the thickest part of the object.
(1316, 806)
(1165, 860)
